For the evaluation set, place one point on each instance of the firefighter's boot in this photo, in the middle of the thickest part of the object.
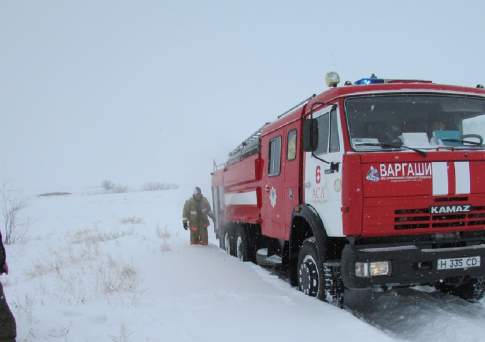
(203, 235)
(194, 236)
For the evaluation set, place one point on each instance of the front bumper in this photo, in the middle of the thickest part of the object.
(410, 264)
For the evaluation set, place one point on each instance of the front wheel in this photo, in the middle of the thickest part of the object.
(319, 278)
(310, 271)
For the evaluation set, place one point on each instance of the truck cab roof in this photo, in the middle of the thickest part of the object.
(331, 95)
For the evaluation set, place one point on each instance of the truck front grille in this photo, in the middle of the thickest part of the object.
(423, 218)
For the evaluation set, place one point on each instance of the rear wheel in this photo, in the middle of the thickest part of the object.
(228, 243)
(242, 245)
(226, 239)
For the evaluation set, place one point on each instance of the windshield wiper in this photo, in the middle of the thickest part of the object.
(464, 140)
(384, 145)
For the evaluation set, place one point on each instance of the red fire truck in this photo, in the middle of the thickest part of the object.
(367, 186)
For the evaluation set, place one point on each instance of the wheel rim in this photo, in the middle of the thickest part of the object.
(308, 276)
(227, 243)
(239, 252)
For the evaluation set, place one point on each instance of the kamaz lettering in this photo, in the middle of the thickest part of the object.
(451, 209)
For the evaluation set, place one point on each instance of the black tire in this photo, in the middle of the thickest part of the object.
(471, 289)
(310, 270)
(241, 243)
(226, 237)
(228, 240)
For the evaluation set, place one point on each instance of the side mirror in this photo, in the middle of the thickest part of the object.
(310, 135)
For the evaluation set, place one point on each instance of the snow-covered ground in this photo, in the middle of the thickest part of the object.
(118, 267)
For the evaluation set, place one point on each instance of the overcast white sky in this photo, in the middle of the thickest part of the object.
(144, 90)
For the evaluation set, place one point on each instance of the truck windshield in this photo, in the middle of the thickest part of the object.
(424, 121)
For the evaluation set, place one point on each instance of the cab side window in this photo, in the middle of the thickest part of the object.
(323, 132)
(274, 156)
(328, 137)
(291, 147)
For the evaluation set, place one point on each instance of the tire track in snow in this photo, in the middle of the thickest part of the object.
(416, 314)
(423, 316)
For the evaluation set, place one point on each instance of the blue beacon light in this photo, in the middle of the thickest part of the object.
(371, 80)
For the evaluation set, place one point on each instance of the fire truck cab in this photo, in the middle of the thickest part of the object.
(371, 185)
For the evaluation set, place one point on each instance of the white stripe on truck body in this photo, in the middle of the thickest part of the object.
(440, 178)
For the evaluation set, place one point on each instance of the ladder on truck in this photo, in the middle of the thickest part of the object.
(251, 145)
(247, 148)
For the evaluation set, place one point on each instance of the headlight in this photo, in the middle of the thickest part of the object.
(379, 268)
(372, 269)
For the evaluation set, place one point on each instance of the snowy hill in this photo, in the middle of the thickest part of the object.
(118, 267)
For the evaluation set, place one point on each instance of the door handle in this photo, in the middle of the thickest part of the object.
(267, 188)
(334, 167)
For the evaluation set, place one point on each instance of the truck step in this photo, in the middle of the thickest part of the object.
(263, 259)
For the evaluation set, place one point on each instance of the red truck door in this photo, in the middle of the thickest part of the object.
(280, 191)
(292, 169)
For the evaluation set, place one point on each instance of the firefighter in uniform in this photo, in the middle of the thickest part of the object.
(195, 217)
(8, 330)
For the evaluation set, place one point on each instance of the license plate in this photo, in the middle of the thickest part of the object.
(457, 263)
